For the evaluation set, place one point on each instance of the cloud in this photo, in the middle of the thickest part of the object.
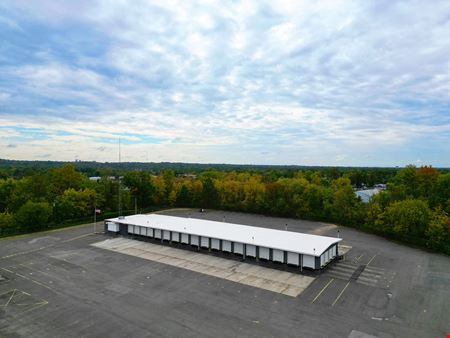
(291, 82)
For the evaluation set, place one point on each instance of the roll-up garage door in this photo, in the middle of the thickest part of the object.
(226, 246)
(204, 242)
(322, 260)
(130, 228)
(137, 230)
(238, 248)
(166, 235)
(185, 238)
(250, 250)
(293, 258)
(158, 233)
(194, 240)
(143, 231)
(308, 261)
(215, 243)
(264, 253)
(175, 236)
(150, 232)
(278, 255)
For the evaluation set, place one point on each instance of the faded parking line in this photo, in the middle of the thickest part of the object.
(340, 294)
(321, 291)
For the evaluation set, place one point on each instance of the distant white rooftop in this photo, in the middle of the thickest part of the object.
(367, 194)
(276, 239)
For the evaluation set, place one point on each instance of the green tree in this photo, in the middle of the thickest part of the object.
(209, 194)
(7, 189)
(74, 204)
(33, 216)
(141, 187)
(438, 231)
(63, 178)
(184, 197)
(407, 219)
(344, 207)
(7, 225)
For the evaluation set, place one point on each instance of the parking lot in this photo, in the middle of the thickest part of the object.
(59, 284)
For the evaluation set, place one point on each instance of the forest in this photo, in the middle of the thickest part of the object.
(414, 208)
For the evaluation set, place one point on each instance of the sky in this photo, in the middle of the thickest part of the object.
(333, 83)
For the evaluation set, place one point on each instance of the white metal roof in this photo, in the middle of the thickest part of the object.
(276, 239)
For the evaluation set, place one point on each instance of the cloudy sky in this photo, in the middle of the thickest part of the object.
(280, 82)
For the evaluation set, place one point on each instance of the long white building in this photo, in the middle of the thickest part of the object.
(293, 248)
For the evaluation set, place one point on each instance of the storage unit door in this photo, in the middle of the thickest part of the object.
(238, 248)
(250, 250)
(158, 233)
(204, 242)
(150, 232)
(264, 253)
(185, 238)
(226, 246)
(137, 230)
(293, 258)
(143, 231)
(166, 235)
(278, 255)
(194, 240)
(322, 260)
(175, 236)
(308, 261)
(130, 228)
(114, 227)
(215, 243)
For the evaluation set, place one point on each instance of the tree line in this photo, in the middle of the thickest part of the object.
(413, 209)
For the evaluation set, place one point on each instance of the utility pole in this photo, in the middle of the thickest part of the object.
(120, 193)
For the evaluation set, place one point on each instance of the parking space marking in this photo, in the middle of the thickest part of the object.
(321, 291)
(17, 300)
(339, 296)
(31, 280)
(9, 300)
(43, 247)
(371, 259)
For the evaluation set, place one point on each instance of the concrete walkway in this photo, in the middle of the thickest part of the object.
(283, 282)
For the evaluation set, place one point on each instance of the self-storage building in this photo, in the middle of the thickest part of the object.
(287, 247)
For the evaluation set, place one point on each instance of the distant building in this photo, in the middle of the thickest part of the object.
(192, 176)
(366, 194)
(95, 178)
